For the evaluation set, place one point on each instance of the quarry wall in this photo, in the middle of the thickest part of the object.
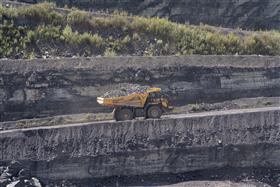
(247, 14)
(46, 87)
(179, 143)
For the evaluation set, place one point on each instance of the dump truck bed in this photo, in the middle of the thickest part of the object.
(131, 100)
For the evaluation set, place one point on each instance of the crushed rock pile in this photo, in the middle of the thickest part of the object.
(125, 90)
(15, 175)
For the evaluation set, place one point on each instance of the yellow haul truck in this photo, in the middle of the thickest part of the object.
(150, 103)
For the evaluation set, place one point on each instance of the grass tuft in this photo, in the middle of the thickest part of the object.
(28, 31)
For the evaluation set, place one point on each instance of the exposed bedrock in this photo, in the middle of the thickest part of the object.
(248, 14)
(181, 143)
(37, 88)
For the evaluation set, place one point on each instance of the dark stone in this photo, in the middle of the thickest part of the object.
(42, 88)
(24, 174)
(14, 167)
(6, 175)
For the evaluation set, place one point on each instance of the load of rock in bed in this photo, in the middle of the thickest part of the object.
(125, 90)
(16, 175)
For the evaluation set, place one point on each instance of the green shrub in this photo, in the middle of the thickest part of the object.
(85, 20)
(263, 43)
(110, 53)
(81, 39)
(93, 40)
(78, 17)
(43, 13)
(81, 32)
(233, 44)
(111, 22)
(48, 32)
(7, 12)
(69, 35)
(12, 40)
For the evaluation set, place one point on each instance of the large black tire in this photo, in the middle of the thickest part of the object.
(154, 112)
(123, 114)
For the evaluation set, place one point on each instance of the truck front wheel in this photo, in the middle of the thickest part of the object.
(123, 114)
(154, 112)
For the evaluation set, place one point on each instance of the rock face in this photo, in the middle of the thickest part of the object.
(249, 14)
(182, 143)
(216, 184)
(37, 88)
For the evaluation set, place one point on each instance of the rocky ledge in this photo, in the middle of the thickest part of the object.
(42, 88)
(175, 144)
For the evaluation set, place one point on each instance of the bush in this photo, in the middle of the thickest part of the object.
(89, 39)
(111, 22)
(81, 39)
(43, 13)
(69, 35)
(78, 17)
(12, 40)
(48, 32)
(264, 43)
(7, 12)
(110, 53)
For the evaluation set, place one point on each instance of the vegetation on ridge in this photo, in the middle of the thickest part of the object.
(42, 29)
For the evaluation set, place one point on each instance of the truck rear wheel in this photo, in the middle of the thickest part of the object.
(123, 114)
(154, 112)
